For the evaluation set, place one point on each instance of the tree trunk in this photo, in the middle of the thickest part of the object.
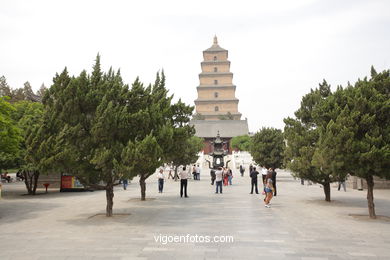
(327, 191)
(27, 182)
(143, 187)
(110, 199)
(370, 196)
(31, 181)
(35, 181)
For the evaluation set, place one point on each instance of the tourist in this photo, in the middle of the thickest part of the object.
(250, 168)
(218, 179)
(197, 170)
(19, 175)
(225, 176)
(160, 177)
(212, 174)
(170, 172)
(253, 176)
(242, 170)
(125, 182)
(268, 191)
(194, 171)
(342, 183)
(6, 177)
(273, 179)
(230, 175)
(183, 182)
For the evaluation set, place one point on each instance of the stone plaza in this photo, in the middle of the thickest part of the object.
(299, 224)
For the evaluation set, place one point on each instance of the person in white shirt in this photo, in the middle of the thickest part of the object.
(197, 169)
(161, 178)
(218, 180)
(183, 182)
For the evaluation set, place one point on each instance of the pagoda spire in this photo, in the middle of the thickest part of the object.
(215, 40)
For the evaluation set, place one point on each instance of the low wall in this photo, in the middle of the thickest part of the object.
(354, 182)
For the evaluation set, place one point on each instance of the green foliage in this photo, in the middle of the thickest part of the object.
(10, 135)
(242, 142)
(267, 147)
(98, 129)
(357, 139)
(185, 149)
(302, 135)
(344, 132)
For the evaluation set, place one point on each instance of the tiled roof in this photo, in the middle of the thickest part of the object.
(226, 128)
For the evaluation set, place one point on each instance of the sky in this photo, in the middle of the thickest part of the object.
(279, 50)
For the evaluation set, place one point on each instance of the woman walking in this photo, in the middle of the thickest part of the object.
(230, 175)
(225, 177)
(268, 190)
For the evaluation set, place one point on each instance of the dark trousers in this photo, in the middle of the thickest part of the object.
(218, 184)
(160, 185)
(212, 180)
(183, 185)
(254, 184)
(274, 184)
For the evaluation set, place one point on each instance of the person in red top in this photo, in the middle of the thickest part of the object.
(225, 176)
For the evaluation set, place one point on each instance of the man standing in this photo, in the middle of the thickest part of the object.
(212, 175)
(125, 183)
(197, 170)
(242, 170)
(218, 180)
(194, 172)
(161, 178)
(273, 178)
(183, 182)
(253, 176)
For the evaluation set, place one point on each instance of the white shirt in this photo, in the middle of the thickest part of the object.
(264, 171)
(197, 169)
(183, 175)
(218, 175)
(160, 175)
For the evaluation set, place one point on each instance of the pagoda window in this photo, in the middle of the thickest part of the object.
(215, 94)
(215, 69)
(215, 58)
(215, 82)
(216, 109)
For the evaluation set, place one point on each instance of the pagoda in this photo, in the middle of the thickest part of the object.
(216, 92)
(217, 105)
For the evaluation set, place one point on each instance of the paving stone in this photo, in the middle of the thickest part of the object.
(300, 225)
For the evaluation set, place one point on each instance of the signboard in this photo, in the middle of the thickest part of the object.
(70, 183)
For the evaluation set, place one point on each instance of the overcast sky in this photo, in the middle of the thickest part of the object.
(278, 49)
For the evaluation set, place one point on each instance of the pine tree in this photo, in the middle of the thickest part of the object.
(267, 147)
(357, 141)
(98, 129)
(302, 135)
